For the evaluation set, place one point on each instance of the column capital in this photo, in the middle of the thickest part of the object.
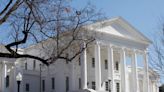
(97, 42)
(146, 51)
(4, 62)
(136, 51)
(124, 49)
(141, 51)
(83, 44)
(110, 45)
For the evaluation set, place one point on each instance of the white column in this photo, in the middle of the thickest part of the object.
(123, 72)
(134, 72)
(97, 66)
(111, 68)
(84, 68)
(146, 73)
(4, 70)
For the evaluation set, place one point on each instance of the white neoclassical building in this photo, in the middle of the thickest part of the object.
(116, 61)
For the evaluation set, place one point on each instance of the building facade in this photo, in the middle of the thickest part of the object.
(116, 61)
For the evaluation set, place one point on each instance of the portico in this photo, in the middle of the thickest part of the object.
(123, 52)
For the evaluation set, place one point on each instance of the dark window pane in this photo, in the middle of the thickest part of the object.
(43, 85)
(67, 84)
(27, 87)
(117, 87)
(79, 61)
(79, 83)
(26, 66)
(106, 64)
(109, 83)
(7, 81)
(34, 64)
(67, 55)
(117, 66)
(93, 62)
(93, 85)
(53, 83)
(106, 86)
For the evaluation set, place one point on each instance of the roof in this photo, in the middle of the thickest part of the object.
(125, 27)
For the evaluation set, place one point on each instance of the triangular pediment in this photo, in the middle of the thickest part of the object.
(121, 28)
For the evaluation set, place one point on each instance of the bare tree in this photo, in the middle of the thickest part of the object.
(34, 21)
(157, 53)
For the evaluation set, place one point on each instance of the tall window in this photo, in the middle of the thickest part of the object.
(53, 82)
(34, 64)
(67, 55)
(117, 65)
(79, 83)
(93, 62)
(109, 83)
(25, 65)
(117, 87)
(67, 83)
(93, 85)
(43, 85)
(7, 81)
(106, 64)
(106, 86)
(27, 87)
(79, 61)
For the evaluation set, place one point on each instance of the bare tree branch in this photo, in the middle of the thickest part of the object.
(55, 26)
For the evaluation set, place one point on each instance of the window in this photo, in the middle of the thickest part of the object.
(67, 55)
(106, 64)
(79, 83)
(43, 85)
(106, 86)
(109, 83)
(117, 87)
(93, 85)
(53, 82)
(25, 65)
(79, 61)
(34, 64)
(7, 81)
(67, 84)
(93, 62)
(27, 87)
(117, 65)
